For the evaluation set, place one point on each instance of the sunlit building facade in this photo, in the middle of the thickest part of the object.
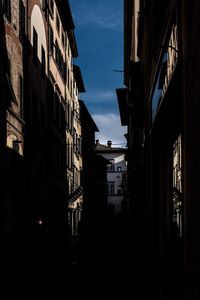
(116, 178)
(76, 188)
(40, 132)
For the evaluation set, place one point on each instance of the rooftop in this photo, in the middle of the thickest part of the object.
(107, 148)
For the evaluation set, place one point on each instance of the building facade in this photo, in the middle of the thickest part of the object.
(45, 133)
(40, 133)
(116, 178)
(76, 188)
(11, 130)
(163, 108)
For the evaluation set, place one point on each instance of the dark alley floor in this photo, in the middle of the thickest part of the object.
(99, 267)
(100, 270)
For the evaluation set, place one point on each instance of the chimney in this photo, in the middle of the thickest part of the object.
(109, 143)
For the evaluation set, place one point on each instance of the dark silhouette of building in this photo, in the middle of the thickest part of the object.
(161, 76)
(11, 141)
(94, 179)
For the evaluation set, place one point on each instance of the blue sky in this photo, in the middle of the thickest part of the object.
(99, 36)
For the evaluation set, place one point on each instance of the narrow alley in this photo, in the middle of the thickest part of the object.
(98, 266)
(99, 152)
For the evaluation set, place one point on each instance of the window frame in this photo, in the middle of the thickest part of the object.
(111, 187)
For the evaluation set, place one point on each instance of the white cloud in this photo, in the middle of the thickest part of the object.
(94, 16)
(110, 128)
(102, 96)
(108, 21)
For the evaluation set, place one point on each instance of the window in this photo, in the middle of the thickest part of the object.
(43, 62)
(119, 191)
(68, 154)
(45, 7)
(177, 186)
(15, 146)
(111, 188)
(74, 140)
(56, 52)
(35, 45)
(7, 9)
(111, 166)
(51, 39)
(67, 114)
(79, 146)
(68, 79)
(76, 144)
(58, 24)
(60, 62)
(71, 86)
(68, 49)
(63, 69)
(63, 38)
(51, 7)
(72, 118)
(21, 96)
(167, 65)
(119, 169)
(21, 20)
(71, 158)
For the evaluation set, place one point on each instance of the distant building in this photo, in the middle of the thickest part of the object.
(116, 177)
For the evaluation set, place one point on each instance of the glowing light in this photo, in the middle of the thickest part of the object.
(40, 222)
